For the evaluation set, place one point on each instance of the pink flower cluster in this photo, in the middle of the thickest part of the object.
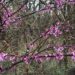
(53, 30)
(41, 58)
(7, 18)
(2, 56)
(57, 55)
(26, 59)
(73, 57)
(71, 1)
(71, 50)
(31, 46)
(37, 57)
(46, 57)
(1, 1)
(59, 3)
(58, 48)
(6, 57)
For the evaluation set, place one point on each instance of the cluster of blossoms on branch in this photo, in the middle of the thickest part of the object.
(6, 57)
(9, 15)
(53, 30)
(57, 55)
(59, 3)
(7, 18)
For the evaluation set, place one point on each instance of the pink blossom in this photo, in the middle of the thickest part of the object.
(31, 46)
(73, 57)
(54, 30)
(58, 23)
(11, 58)
(58, 48)
(71, 1)
(24, 8)
(38, 58)
(59, 2)
(1, 1)
(7, 18)
(26, 59)
(48, 57)
(59, 56)
(2, 56)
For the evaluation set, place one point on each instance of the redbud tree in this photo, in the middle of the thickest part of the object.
(36, 31)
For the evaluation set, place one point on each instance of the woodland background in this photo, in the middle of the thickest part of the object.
(30, 23)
